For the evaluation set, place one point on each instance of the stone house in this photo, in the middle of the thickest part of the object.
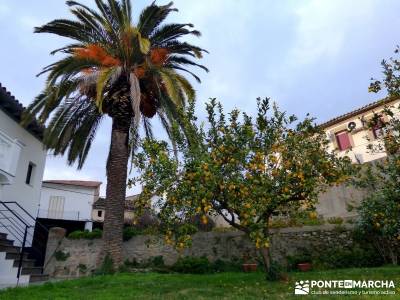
(98, 210)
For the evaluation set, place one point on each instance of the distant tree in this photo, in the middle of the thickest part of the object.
(242, 168)
(379, 211)
(117, 68)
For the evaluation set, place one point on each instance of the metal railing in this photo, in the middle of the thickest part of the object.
(19, 225)
(60, 215)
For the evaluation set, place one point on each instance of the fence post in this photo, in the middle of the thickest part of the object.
(21, 253)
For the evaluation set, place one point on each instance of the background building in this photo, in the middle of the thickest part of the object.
(68, 201)
(99, 211)
(350, 134)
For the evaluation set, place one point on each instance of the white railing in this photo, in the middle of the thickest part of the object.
(61, 215)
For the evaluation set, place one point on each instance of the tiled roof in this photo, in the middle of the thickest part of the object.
(356, 112)
(83, 183)
(14, 109)
(100, 203)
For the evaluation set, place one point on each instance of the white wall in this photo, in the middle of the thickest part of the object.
(27, 195)
(77, 199)
(358, 137)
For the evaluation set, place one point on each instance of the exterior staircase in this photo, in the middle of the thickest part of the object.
(16, 264)
(10, 259)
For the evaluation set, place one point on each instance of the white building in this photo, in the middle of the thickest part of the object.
(22, 156)
(350, 134)
(70, 200)
(22, 161)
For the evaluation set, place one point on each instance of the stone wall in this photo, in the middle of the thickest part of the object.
(66, 258)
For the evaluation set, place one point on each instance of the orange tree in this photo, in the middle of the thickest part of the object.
(379, 211)
(241, 168)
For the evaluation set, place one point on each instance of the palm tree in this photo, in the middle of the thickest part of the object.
(117, 68)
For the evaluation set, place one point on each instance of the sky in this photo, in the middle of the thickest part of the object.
(309, 56)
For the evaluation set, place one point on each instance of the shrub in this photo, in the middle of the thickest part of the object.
(192, 265)
(106, 267)
(147, 219)
(131, 263)
(82, 268)
(61, 255)
(130, 232)
(302, 257)
(157, 261)
(226, 266)
(356, 256)
(335, 220)
(86, 234)
(275, 272)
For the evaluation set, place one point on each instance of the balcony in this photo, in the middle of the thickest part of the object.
(10, 151)
(61, 215)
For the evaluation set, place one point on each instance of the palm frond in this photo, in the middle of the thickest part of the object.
(152, 16)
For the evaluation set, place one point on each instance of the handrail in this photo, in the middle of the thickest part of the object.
(13, 202)
(10, 210)
(20, 229)
(24, 210)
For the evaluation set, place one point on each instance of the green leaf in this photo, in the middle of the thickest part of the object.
(144, 44)
(101, 83)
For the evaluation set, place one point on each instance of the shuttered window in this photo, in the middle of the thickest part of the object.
(343, 140)
(56, 207)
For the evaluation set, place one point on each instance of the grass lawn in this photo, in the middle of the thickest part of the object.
(181, 286)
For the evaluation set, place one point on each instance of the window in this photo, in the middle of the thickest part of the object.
(29, 173)
(377, 129)
(99, 213)
(343, 140)
(56, 207)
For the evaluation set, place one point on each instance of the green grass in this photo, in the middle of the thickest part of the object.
(179, 286)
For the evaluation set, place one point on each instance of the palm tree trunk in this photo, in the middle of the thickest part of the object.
(117, 165)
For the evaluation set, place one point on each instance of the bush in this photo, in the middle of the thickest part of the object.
(226, 266)
(348, 258)
(335, 220)
(276, 272)
(130, 232)
(192, 265)
(61, 255)
(157, 261)
(106, 267)
(86, 234)
(131, 263)
(303, 256)
(147, 219)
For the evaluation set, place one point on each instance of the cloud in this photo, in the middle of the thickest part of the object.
(322, 28)
(4, 9)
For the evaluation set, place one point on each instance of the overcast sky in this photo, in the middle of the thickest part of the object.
(312, 56)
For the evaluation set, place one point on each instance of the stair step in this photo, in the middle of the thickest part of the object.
(31, 271)
(15, 255)
(3, 235)
(6, 242)
(9, 248)
(38, 277)
(25, 263)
